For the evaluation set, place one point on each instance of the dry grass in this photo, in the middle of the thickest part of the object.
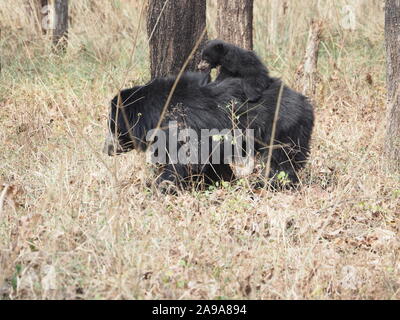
(78, 224)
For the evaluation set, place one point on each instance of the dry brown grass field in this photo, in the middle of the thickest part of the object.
(77, 224)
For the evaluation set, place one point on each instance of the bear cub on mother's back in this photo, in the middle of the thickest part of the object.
(236, 62)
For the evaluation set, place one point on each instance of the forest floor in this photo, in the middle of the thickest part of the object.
(77, 224)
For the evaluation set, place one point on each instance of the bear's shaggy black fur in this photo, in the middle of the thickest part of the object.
(236, 62)
(196, 106)
(296, 116)
(192, 106)
(293, 129)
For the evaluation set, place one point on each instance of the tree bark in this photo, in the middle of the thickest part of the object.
(37, 10)
(392, 35)
(310, 68)
(173, 28)
(235, 22)
(60, 32)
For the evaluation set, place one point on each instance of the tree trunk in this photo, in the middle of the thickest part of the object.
(38, 10)
(392, 35)
(173, 28)
(60, 31)
(310, 68)
(235, 22)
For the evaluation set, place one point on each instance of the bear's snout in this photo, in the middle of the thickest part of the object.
(110, 147)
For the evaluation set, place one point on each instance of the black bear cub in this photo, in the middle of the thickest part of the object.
(236, 62)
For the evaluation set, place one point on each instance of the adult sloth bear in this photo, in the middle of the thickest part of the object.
(137, 111)
(221, 106)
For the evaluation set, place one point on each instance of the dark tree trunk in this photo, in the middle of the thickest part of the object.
(392, 34)
(235, 22)
(173, 28)
(60, 32)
